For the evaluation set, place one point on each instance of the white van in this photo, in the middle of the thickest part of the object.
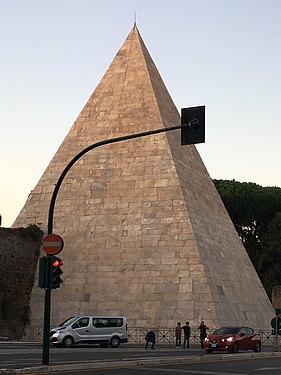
(103, 330)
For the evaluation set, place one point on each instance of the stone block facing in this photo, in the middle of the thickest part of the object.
(146, 234)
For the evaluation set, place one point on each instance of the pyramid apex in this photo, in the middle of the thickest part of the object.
(134, 29)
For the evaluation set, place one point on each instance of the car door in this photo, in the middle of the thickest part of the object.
(243, 340)
(81, 329)
(251, 342)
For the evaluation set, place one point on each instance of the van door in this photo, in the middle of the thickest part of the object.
(104, 328)
(81, 330)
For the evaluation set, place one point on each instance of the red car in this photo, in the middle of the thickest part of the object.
(232, 339)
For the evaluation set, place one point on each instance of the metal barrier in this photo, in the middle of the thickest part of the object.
(33, 333)
(163, 335)
(267, 337)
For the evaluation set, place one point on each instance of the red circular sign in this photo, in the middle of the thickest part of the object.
(52, 244)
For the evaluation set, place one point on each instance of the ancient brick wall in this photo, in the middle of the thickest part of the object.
(19, 250)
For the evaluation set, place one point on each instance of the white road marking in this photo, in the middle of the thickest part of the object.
(267, 368)
(175, 371)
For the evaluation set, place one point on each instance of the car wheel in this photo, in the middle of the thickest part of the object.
(68, 342)
(235, 348)
(209, 351)
(115, 342)
(257, 347)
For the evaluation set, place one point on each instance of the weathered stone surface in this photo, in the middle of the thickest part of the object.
(146, 233)
(19, 250)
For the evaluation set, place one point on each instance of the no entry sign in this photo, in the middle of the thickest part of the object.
(52, 244)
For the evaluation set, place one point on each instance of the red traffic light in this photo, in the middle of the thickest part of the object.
(56, 272)
(57, 262)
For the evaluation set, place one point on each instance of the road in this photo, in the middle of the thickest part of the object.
(245, 367)
(24, 355)
(135, 359)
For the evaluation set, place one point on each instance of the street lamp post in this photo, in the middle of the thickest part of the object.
(193, 123)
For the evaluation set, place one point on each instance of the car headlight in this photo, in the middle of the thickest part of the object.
(206, 339)
(60, 330)
(230, 339)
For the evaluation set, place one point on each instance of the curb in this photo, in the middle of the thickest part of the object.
(136, 363)
(27, 343)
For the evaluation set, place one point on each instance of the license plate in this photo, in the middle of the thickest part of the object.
(213, 345)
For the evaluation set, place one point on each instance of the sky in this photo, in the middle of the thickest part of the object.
(224, 54)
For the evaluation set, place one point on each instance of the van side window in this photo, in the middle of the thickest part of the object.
(107, 322)
(82, 322)
(116, 322)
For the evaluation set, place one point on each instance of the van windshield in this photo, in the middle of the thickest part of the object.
(68, 321)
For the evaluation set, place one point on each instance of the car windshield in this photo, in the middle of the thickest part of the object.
(67, 321)
(226, 331)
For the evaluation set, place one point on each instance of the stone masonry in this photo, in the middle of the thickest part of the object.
(146, 233)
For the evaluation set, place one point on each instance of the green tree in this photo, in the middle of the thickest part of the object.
(269, 263)
(254, 210)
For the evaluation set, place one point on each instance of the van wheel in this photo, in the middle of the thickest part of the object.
(68, 342)
(115, 342)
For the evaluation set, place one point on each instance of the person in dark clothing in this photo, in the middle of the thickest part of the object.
(150, 337)
(203, 333)
(178, 335)
(186, 335)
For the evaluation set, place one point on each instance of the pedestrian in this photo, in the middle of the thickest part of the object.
(203, 333)
(186, 335)
(178, 335)
(150, 337)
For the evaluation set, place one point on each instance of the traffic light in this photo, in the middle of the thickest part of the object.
(56, 272)
(42, 277)
(194, 131)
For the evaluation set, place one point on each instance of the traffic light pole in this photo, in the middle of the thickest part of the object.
(95, 145)
(47, 311)
(47, 308)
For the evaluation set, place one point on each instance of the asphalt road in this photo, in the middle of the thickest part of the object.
(134, 359)
(246, 367)
(24, 355)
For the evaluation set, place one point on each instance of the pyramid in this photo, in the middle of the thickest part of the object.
(145, 232)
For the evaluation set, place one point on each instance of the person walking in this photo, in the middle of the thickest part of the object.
(186, 335)
(203, 333)
(150, 337)
(178, 335)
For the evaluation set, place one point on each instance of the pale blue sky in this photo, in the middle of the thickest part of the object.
(225, 54)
